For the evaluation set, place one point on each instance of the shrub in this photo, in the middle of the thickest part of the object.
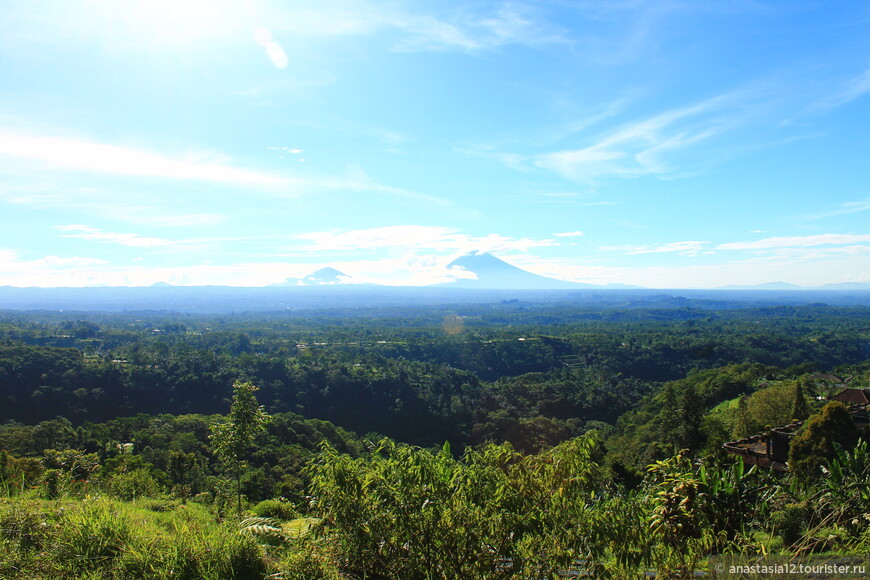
(311, 561)
(405, 512)
(814, 445)
(133, 484)
(50, 485)
(790, 522)
(274, 508)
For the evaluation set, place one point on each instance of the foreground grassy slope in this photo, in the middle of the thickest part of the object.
(99, 537)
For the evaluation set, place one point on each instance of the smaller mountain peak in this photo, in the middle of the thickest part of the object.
(327, 272)
(327, 276)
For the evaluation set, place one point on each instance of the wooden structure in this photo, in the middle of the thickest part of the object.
(769, 450)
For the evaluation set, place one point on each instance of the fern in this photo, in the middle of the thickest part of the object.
(266, 530)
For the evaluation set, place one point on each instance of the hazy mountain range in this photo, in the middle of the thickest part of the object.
(482, 270)
(481, 278)
(475, 270)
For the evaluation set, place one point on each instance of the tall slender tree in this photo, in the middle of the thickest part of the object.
(232, 437)
(799, 409)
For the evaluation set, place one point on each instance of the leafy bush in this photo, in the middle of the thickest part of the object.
(812, 448)
(409, 513)
(791, 521)
(310, 561)
(274, 508)
(133, 484)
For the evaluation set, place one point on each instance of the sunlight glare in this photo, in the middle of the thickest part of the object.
(182, 22)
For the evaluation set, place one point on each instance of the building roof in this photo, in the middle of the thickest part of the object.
(859, 396)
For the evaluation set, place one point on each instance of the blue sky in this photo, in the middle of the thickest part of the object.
(669, 144)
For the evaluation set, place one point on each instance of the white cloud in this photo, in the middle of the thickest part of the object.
(407, 270)
(42, 271)
(844, 209)
(149, 217)
(855, 88)
(49, 153)
(123, 206)
(411, 236)
(512, 24)
(417, 237)
(462, 30)
(71, 262)
(83, 155)
(796, 241)
(576, 234)
(131, 240)
(694, 247)
(356, 179)
(584, 163)
(687, 247)
(649, 146)
(795, 266)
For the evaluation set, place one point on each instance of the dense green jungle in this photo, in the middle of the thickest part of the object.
(508, 440)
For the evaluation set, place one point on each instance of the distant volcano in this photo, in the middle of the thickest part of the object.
(322, 277)
(493, 273)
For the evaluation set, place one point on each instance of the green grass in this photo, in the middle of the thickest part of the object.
(725, 405)
(112, 539)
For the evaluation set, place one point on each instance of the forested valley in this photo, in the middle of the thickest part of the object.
(511, 440)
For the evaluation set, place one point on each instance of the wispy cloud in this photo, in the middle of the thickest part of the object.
(774, 243)
(77, 271)
(89, 156)
(357, 179)
(646, 147)
(128, 207)
(466, 30)
(131, 240)
(9, 260)
(844, 209)
(576, 234)
(854, 88)
(796, 242)
(510, 24)
(435, 238)
(406, 270)
(410, 269)
(687, 248)
(18, 272)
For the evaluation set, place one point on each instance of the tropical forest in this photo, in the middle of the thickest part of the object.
(508, 440)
